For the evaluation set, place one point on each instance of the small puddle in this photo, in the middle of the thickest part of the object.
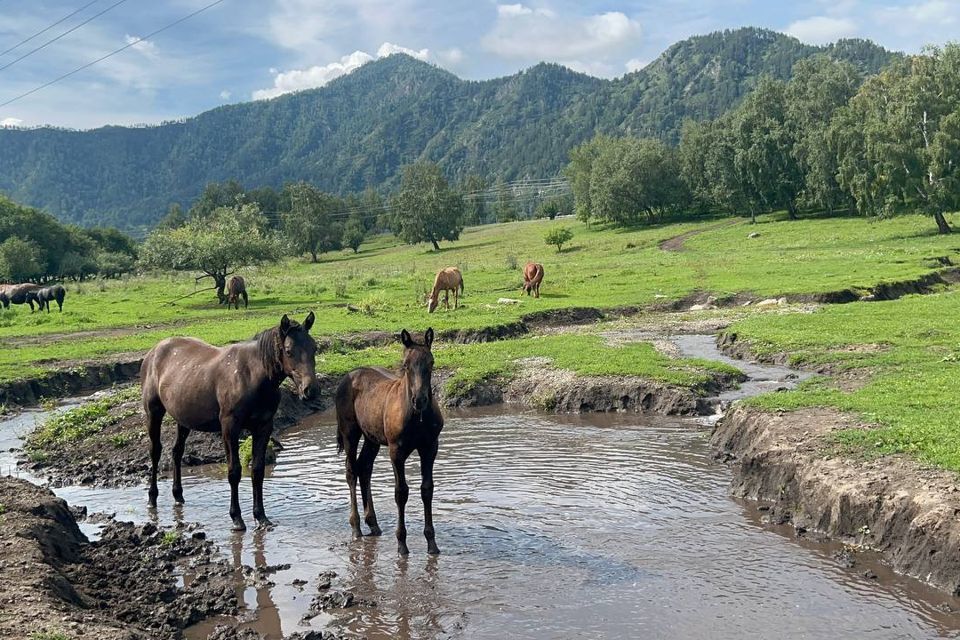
(593, 526)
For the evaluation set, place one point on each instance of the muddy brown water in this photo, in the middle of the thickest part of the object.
(593, 526)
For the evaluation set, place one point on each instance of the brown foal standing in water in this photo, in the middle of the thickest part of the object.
(447, 280)
(236, 289)
(398, 411)
(532, 277)
(225, 390)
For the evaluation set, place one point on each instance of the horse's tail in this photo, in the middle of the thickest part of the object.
(461, 285)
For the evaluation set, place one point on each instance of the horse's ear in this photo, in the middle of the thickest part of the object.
(406, 339)
(284, 325)
(308, 323)
(428, 337)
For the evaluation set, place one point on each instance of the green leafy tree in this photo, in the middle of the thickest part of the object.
(175, 217)
(310, 225)
(426, 209)
(18, 260)
(558, 237)
(354, 231)
(217, 195)
(229, 238)
(634, 177)
(579, 172)
(819, 87)
(474, 205)
(550, 208)
(505, 208)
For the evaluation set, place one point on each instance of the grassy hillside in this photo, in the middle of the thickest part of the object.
(359, 129)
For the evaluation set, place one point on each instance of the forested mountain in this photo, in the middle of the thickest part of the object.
(358, 130)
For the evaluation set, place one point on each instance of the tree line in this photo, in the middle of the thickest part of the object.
(36, 247)
(828, 139)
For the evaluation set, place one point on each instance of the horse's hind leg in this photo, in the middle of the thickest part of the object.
(155, 412)
(365, 463)
(246, 301)
(428, 454)
(178, 447)
(352, 469)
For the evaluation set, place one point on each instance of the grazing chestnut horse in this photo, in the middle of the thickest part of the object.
(236, 289)
(18, 294)
(447, 280)
(398, 411)
(532, 277)
(43, 296)
(225, 390)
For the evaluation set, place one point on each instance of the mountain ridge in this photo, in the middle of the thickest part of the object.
(357, 130)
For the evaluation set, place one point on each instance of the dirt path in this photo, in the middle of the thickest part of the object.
(676, 242)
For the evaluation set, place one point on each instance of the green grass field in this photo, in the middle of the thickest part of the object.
(602, 268)
(902, 356)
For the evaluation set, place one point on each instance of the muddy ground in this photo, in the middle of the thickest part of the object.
(123, 586)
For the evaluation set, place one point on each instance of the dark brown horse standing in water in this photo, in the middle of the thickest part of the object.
(397, 411)
(532, 277)
(225, 390)
(236, 289)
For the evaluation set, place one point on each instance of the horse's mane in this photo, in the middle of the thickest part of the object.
(268, 347)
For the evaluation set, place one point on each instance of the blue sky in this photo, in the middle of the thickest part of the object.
(255, 49)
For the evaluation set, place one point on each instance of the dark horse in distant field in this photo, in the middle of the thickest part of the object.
(236, 289)
(43, 296)
(532, 277)
(225, 390)
(397, 411)
(18, 294)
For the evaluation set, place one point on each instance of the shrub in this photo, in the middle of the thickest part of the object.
(558, 237)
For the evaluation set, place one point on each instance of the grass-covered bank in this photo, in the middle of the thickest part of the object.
(382, 287)
(895, 364)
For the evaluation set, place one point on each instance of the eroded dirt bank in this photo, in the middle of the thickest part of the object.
(894, 505)
(123, 586)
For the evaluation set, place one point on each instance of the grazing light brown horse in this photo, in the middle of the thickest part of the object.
(447, 280)
(398, 411)
(236, 289)
(532, 277)
(225, 390)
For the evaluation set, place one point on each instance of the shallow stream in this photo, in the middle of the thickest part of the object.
(593, 526)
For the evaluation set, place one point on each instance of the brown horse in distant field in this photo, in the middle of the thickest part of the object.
(225, 390)
(43, 296)
(447, 280)
(236, 289)
(398, 411)
(18, 294)
(532, 277)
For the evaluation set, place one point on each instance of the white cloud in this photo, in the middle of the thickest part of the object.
(316, 76)
(225, 95)
(922, 18)
(540, 34)
(388, 49)
(145, 47)
(822, 29)
(11, 122)
(635, 64)
(589, 67)
(450, 57)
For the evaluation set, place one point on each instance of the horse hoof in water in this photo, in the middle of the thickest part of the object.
(402, 549)
(375, 531)
(178, 498)
(264, 523)
(433, 549)
(238, 525)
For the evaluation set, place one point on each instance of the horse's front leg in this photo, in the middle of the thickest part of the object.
(230, 430)
(398, 457)
(178, 447)
(261, 436)
(428, 453)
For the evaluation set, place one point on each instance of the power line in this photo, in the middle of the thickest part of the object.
(111, 54)
(65, 33)
(42, 31)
